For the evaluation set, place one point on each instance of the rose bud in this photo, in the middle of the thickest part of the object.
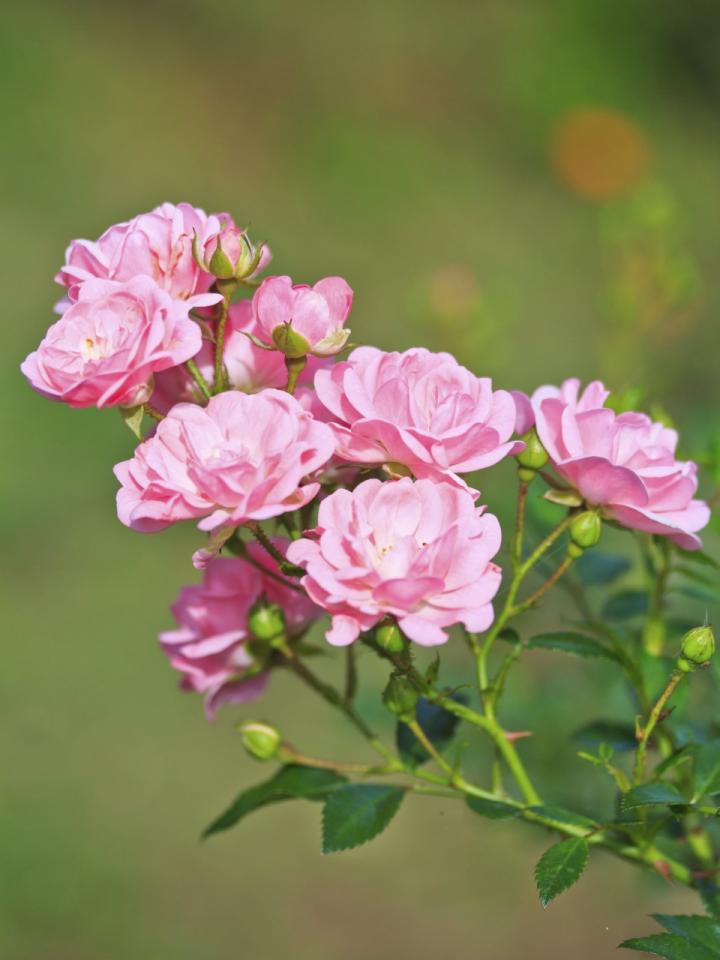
(585, 529)
(266, 621)
(261, 740)
(533, 457)
(389, 638)
(697, 648)
(301, 320)
(400, 697)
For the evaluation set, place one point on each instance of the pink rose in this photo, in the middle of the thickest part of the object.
(303, 320)
(418, 409)
(208, 647)
(107, 345)
(525, 417)
(158, 244)
(241, 257)
(419, 551)
(250, 368)
(623, 463)
(243, 457)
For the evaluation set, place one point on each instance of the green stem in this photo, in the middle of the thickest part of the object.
(653, 721)
(331, 696)
(519, 523)
(295, 366)
(351, 676)
(220, 380)
(542, 590)
(194, 371)
(429, 746)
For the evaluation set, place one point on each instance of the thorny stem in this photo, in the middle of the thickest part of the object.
(542, 590)
(653, 720)
(350, 674)
(264, 540)
(220, 380)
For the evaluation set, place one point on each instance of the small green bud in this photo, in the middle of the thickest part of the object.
(697, 647)
(290, 342)
(266, 620)
(261, 740)
(221, 266)
(526, 475)
(585, 528)
(389, 638)
(400, 697)
(534, 456)
(574, 551)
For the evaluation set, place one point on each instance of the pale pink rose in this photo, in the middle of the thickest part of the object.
(419, 551)
(107, 346)
(209, 646)
(158, 244)
(418, 409)
(243, 457)
(623, 463)
(249, 367)
(311, 317)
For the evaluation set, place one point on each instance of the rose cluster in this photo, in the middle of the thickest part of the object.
(363, 461)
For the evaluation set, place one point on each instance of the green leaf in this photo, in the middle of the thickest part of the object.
(560, 867)
(564, 818)
(707, 769)
(698, 556)
(598, 568)
(710, 894)
(438, 725)
(288, 783)
(703, 931)
(680, 756)
(492, 809)
(133, 417)
(651, 794)
(620, 736)
(569, 642)
(668, 946)
(626, 604)
(698, 592)
(357, 812)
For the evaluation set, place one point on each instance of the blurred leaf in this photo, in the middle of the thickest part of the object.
(620, 736)
(697, 592)
(698, 556)
(651, 794)
(574, 643)
(668, 946)
(290, 782)
(356, 813)
(492, 809)
(707, 769)
(560, 867)
(598, 568)
(695, 576)
(710, 894)
(702, 931)
(626, 604)
(669, 763)
(564, 818)
(437, 724)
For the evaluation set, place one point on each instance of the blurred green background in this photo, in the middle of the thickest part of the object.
(532, 185)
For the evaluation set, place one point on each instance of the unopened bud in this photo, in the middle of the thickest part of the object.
(221, 266)
(389, 638)
(697, 647)
(266, 620)
(261, 740)
(290, 342)
(585, 528)
(534, 456)
(400, 697)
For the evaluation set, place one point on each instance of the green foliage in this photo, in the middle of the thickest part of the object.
(492, 809)
(133, 418)
(687, 938)
(625, 605)
(620, 736)
(357, 812)
(597, 568)
(289, 783)
(571, 642)
(438, 725)
(652, 794)
(707, 769)
(560, 867)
